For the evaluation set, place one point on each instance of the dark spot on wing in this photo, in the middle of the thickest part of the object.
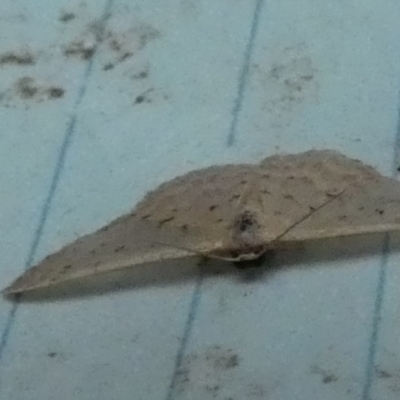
(66, 268)
(119, 248)
(212, 207)
(288, 197)
(165, 220)
(379, 211)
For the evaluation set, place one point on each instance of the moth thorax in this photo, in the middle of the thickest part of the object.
(245, 229)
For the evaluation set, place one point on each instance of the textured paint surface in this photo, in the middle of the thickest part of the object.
(103, 101)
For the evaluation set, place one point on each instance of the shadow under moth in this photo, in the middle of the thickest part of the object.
(232, 212)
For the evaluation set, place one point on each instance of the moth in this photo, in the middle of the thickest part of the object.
(234, 213)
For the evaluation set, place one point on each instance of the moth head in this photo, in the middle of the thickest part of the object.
(239, 254)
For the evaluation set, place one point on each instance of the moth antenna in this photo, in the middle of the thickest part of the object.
(312, 212)
(195, 252)
(174, 246)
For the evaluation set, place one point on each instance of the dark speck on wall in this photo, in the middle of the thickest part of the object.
(67, 16)
(215, 362)
(382, 374)
(143, 98)
(55, 92)
(108, 66)
(80, 49)
(141, 75)
(329, 378)
(26, 88)
(232, 362)
(326, 376)
(21, 59)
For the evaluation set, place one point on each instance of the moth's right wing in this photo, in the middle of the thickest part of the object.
(186, 216)
(126, 242)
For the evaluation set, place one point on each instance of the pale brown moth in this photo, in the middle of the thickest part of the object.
(234, 213)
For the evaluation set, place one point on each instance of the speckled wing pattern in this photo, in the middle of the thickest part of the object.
(123, 243)
(369, 202)
(233, 212)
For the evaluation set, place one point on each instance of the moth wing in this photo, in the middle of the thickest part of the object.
(372, 207)
(195, 214)
(125, 242)
(189, 215)
(326, 167)
(291, 187)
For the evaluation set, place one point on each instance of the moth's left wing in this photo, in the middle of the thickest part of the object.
(372, 207)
